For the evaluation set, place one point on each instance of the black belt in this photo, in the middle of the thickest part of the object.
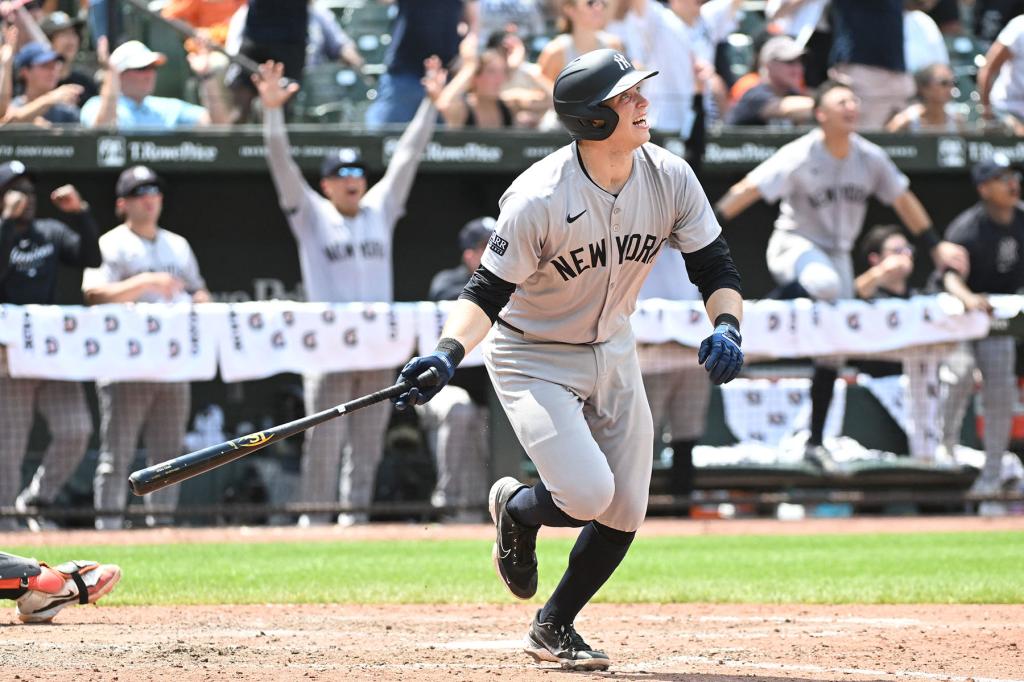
(506, 325)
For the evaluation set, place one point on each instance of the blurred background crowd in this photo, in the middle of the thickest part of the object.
(913, 66)
(943, 65)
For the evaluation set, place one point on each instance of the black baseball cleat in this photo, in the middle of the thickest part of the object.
(562, 644)
(515, 550)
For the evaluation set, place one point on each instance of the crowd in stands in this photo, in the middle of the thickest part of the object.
(837, 65)
(916, 65)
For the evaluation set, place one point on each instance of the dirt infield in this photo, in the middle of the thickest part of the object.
(706, 642)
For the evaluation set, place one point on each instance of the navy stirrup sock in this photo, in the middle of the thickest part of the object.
(597, 553)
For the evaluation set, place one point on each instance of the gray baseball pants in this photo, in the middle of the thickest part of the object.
(581, 414)
(455, 427)
(63, 407)
(340, 456)
(996, 358)
(678, 389)
(156, 410)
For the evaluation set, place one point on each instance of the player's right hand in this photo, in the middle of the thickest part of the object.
(164, 284)
(721, 354)
(419, 394)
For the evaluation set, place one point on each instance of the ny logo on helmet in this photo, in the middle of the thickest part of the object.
(623, 63)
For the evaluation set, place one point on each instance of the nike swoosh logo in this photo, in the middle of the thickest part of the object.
(572, 219)
(502, 552)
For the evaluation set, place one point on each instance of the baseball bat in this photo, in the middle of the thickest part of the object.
(175, 470)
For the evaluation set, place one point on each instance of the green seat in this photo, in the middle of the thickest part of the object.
(333, 93)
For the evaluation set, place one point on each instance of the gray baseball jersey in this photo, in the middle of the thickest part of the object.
(126, 254)
(346, 259)
(579, 254)
(824, 198)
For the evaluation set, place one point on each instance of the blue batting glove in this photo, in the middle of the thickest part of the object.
(417, 395)
(720, 353)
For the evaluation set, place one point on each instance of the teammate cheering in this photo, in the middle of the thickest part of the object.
(824, 180)
(344, 241)
(577, 234)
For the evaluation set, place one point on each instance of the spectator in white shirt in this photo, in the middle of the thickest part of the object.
(1001, 80)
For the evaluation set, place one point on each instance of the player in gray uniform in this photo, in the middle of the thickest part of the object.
(824, 180)
(345, 244)
(576, 235)
(678, 389)
(142, 262)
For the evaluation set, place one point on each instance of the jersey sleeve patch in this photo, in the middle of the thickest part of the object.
(497, 244)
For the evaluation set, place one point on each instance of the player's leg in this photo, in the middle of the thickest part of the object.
(365, 447)
(688, 413)
(547, 416)
(996, 357)
(798, 263)
(957, 386)
(454, 425)
(620, 420)
(924, 419)
(164, 437)
(16, 413)
(123, 408)
(63, 406)
(321, 451)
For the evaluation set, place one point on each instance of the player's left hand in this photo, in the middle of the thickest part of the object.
(721, 354)
(419, 394)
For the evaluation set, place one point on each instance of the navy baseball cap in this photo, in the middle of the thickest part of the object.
(342, 159)
(990, 168)
(477, 231)
(11, 171)
(133, 179)
(34, 54)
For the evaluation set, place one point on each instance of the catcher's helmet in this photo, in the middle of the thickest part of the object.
(587, 81)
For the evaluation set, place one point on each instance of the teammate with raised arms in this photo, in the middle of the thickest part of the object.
(576, 235)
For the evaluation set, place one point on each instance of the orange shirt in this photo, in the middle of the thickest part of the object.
(212, 15)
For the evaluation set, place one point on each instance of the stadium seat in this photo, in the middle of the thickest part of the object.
(333, 93)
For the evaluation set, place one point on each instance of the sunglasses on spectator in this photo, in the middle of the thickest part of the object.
(350, 172)
(1010, 177)
(944, 82)
(906, 249)
(597, 3)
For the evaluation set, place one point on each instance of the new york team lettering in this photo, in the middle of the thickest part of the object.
(829, 195)
(628, 248)
(344, 250)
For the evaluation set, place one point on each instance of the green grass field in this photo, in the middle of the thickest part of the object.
(879, 569)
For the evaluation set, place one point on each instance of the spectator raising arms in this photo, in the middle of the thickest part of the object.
(473, 97)
(126, 100)
(934, 109)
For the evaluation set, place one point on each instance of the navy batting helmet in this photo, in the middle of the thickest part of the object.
(585, 83)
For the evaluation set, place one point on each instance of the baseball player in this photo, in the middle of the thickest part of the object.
(142, 262)
(992, 231)
(678, 389)
(345, 243)
(576, 235)
(455, 421)
(40, 591)
(30, 251)
(824, 180)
